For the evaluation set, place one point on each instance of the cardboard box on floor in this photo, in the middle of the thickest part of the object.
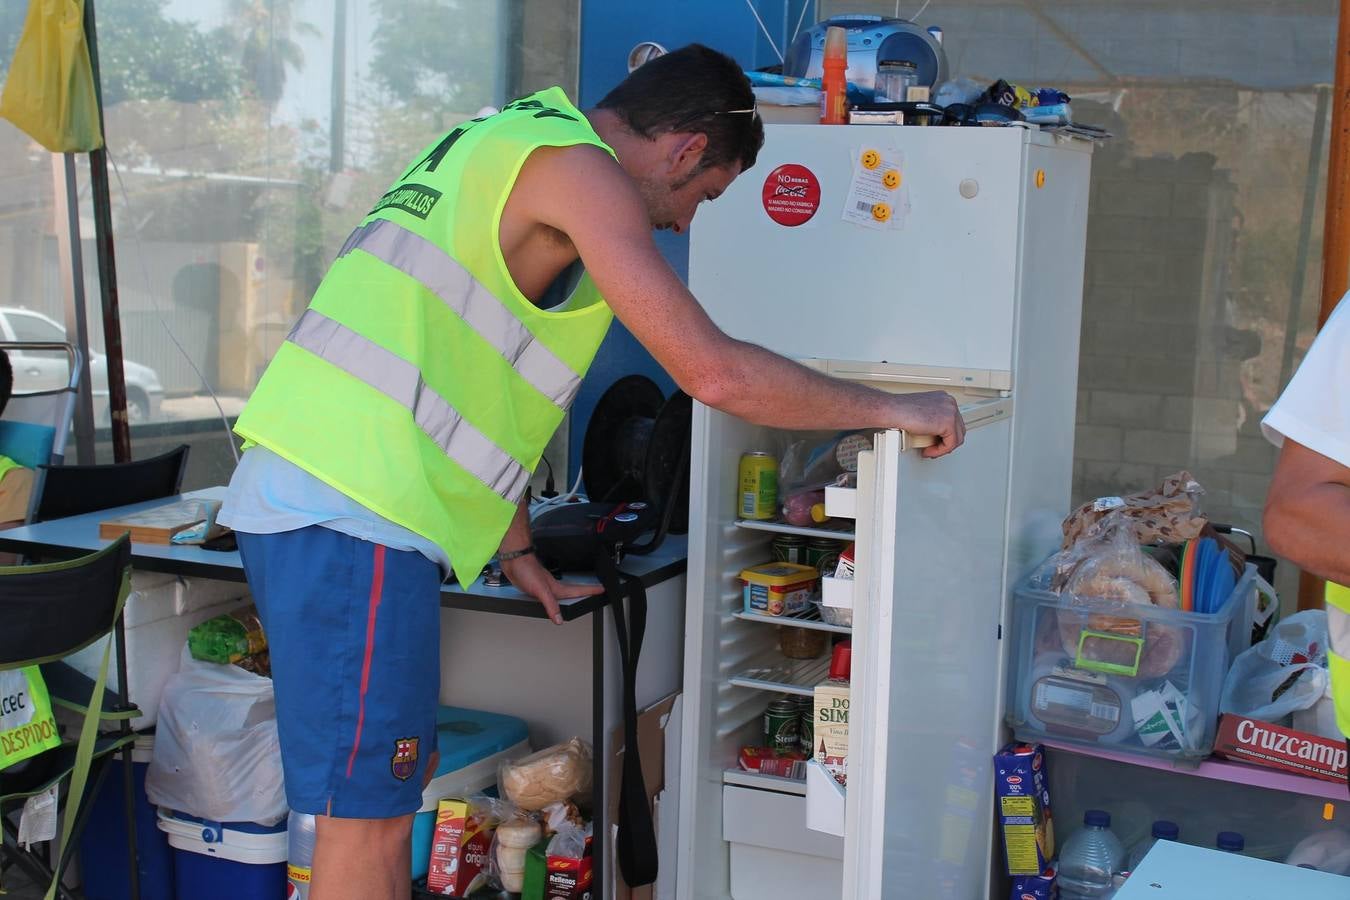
(654, 732)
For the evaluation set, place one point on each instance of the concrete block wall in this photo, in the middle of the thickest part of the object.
(1159, 375)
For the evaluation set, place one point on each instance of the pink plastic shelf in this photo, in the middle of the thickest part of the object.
(1220, 770)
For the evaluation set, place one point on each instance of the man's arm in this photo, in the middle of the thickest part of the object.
(602, 213)
(528, 575)
(1307, 516)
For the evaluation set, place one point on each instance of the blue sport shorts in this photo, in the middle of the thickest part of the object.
(354, 633)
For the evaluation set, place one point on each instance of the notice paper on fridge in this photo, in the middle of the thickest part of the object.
(877, 195)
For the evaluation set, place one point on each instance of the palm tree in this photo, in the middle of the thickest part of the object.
(266, 32)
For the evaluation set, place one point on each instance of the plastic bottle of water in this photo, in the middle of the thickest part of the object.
(299, 854)
(1089, 859)
(1230, 842)
(1163, 830)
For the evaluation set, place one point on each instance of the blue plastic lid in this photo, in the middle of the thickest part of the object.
(1165, 830)
(466, 736)
(1097, 818)
(1230, 841)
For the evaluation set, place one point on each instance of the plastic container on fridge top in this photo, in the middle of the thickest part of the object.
(1135, 678)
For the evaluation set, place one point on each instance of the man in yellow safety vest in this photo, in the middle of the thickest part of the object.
(393, 435)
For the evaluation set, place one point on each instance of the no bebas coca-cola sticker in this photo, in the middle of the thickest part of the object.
(791, 194)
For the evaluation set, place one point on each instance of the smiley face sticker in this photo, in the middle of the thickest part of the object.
(891, 179)
(881, 212)
(871, 159)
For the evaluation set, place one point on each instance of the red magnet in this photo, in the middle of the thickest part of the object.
(791, 194)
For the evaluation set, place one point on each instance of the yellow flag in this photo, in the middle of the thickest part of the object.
(50, 89)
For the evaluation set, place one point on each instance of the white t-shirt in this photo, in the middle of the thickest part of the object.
(1315, 408)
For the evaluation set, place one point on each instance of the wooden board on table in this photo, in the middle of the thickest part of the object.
(155, 526)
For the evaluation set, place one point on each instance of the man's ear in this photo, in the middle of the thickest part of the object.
(686, 153)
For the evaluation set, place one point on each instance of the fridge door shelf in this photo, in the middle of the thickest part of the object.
(841, 502)
(807, 619)
(825, 800)
(788, 677)
(841, 531)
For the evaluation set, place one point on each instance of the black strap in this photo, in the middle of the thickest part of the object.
(636, 840)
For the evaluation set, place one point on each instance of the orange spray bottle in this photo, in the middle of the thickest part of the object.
(834, 81)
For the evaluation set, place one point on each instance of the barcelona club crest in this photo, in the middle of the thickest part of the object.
(404, 761)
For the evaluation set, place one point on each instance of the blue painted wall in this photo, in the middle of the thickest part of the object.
(609, 30)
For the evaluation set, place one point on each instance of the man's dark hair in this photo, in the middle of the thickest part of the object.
(6, 381)
(694, 89)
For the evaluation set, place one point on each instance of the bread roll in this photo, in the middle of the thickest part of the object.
(558, 773)
(1119, 578)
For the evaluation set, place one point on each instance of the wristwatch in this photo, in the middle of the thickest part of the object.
(515, 554)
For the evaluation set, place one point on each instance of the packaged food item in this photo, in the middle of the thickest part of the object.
(758, 497)
(1023, 796)
(1034, 887)
(844, 568)
(779, 589)
(555, 773)
(1167, 514)
(823, 554)
(568, 873)
(460, 847)
(805, 508)
(801, 643)
(513, 841)
(790, 548)
(780, 725)
(831, 728)
(228, 638)
(769, 761)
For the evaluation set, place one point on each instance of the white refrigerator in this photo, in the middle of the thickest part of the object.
(969, 280)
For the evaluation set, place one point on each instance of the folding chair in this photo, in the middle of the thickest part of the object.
(51, 611)
(36, 425)
(73, 490)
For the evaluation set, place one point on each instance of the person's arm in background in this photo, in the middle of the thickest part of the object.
(1307, 516)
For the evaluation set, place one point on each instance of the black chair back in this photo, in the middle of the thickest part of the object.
(74, 490)
(55, 609)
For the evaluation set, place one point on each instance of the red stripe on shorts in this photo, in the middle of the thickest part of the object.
(376, 589)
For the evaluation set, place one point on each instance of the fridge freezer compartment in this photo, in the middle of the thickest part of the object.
(773, 854)
(1132, 678)
(825, 799)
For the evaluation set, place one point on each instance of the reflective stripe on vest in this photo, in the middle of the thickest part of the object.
(1338, 656)
(398, 379)
(437, 271)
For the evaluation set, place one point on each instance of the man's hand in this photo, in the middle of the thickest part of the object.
(935, 413)
(529, 576)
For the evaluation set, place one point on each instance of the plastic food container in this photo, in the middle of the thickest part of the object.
(779, 588)
(1138, 679)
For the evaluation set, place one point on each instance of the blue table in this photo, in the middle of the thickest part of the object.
(66, 538)
(1174, 871)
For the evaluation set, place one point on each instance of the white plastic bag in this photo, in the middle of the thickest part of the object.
(1284, 673)
(216, 750)
(1326, 851)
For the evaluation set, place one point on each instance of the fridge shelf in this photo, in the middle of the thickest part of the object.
(788, 677)
(841, 532)
(808, 619)
(1218, 769)
(742, 778)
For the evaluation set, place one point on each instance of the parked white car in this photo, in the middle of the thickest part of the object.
(40, 371)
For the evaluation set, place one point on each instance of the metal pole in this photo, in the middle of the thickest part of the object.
(71, 255)
(1336, 236)
(107, 263)
(338, 115)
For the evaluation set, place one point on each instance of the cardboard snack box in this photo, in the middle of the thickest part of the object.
(1277, 747)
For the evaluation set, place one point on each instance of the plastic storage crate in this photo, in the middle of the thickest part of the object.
(1138, 679)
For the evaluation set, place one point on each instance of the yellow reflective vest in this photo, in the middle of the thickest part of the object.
(420, 381)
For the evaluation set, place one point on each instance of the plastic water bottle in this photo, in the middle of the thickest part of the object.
(1163, 830)
(1089, 859)
(1230, 842)
(299, 854)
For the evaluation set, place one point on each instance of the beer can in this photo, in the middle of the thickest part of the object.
(806, 724)
(823, 554)
(790, 548)
(758, 486)
(782, 725)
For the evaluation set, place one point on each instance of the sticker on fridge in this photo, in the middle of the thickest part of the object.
(877, 196)
(791, 194)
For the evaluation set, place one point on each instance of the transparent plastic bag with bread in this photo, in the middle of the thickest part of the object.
(1106, 575)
